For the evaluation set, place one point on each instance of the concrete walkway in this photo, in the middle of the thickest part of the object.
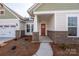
(44, 50)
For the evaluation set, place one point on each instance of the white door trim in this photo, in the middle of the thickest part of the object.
(45, 28)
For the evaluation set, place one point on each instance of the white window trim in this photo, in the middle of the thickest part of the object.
(72, 15)
(28, 33)
(56, 11)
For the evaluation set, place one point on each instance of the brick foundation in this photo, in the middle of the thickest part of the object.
(73, 40)
(51, 34)
(62, 37)
(63, 45)
(22, 33)
(35, 36)
(18, 33)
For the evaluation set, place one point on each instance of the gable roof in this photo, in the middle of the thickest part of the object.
(9, 13)
(33, 7)
(55, 6)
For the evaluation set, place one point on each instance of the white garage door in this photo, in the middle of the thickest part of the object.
(7, 30)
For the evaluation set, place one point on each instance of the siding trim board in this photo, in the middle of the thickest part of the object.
(51, 12)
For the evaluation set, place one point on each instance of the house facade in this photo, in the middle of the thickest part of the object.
(58, 21)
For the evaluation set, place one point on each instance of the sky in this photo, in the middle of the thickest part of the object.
(20, 8)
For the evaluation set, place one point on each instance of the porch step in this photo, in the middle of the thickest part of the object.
(44, 39)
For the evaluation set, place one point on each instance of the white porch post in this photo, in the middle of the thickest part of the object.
(35, 32)
(35, 24)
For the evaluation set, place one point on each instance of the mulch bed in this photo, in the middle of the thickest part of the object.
(65, 49)
(56, 50)
(20, 47)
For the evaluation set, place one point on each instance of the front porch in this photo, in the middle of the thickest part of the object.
(43, 24)
(44, 39)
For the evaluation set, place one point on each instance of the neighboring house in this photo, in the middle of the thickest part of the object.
(59, 21)
(12, 25)
(9, 22)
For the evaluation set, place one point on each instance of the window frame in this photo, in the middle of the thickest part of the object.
(28, 28)
(30, 32)
(3, 12)
(73, 26)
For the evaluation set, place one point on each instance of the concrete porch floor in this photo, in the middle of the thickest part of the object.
(44, 39)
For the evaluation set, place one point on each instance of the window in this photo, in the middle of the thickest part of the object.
(1, 12)
(72, 26)
(28, 27)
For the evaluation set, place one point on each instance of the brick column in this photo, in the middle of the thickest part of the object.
(22, 33)
(18, 34)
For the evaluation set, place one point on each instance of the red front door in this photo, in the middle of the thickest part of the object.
(43, 29)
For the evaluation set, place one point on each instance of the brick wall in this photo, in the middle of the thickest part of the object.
(35, 36)
(22, 33)
(18, 33)
(62, 37)
(65, 49)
